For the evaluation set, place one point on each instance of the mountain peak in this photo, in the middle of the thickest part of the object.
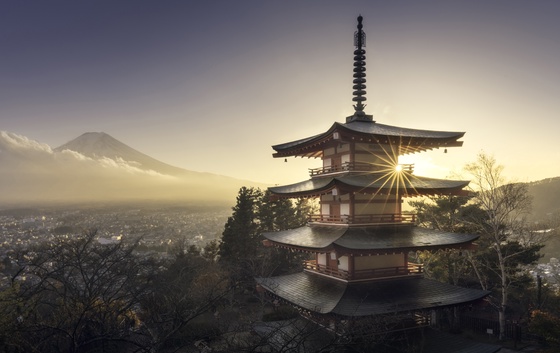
(100, 144)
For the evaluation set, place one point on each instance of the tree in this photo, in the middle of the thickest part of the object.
(507, 241)
(76, 295)
(257, 212)
(188, 287)
(240, 237)
(451, 214)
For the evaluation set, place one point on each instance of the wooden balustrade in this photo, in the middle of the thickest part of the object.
(409, 269)
(356, 167)
(393, 218)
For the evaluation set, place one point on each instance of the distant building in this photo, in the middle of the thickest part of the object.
(359, 281)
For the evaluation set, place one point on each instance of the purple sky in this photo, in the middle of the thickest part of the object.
(211, 85)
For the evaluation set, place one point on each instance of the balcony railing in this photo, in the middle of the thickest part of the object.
(393, 218)
(410, 269)
(356, 167)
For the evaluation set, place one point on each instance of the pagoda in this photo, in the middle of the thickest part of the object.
(358, 279)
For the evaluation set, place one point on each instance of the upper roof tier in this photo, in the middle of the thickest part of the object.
(405, 140)
(360, 127)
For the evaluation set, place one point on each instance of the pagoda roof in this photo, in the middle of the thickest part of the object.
(408, 140)
(384, 183)
(327, 296)
(379, 239)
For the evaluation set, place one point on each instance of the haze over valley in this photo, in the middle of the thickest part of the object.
(96, 167)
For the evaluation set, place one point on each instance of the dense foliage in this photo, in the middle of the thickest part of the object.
(257, 212)
(506, 247)
(76, 295)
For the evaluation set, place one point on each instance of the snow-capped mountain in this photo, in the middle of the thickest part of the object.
(101, 145)
(95, 167)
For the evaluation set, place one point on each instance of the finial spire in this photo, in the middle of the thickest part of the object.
(359, 75)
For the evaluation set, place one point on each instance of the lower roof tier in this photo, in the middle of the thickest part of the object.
(368, 240)
(393, 183)
(326, 296)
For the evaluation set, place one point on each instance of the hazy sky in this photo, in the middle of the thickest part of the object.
(211, 85)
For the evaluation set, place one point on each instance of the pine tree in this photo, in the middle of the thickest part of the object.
(240, 237)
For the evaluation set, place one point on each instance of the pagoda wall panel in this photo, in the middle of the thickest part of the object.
(325, 209)
(344, 208)
(343, 147)
(367, 158)
(359, 197)
(331, 198)
(388, 150)
(376, 208)
(322, 259)
(379, 261)
(329, 151)
(343, 263)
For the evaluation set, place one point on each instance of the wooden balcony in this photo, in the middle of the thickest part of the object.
(356, 167)
(410, 269)
(377, 219)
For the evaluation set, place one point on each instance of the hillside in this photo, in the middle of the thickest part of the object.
(546, 197)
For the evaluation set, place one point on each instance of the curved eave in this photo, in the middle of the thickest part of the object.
(322, 295)
(311, 187)
(409, 140)
(369, 240)
(307, 238)
(396, 184)
(387, 239)
(365, 299)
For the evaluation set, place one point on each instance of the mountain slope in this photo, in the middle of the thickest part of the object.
(546, 200)
(99, 144)
(98, 168)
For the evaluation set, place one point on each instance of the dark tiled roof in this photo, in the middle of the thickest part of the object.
(375, 130)
(368, 238)
(321, 184)
(388, 130)
(324, 295)
(398, 295)
(308, 237)
(373, 182)
(400, 237)
(310, 292)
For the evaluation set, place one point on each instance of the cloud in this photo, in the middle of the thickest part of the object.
(13, 142)
(31, 171)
